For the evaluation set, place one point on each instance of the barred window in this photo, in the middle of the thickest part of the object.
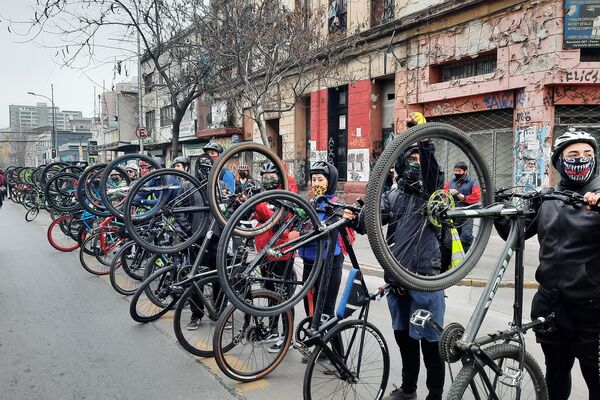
(485, 64)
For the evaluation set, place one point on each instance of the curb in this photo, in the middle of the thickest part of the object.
(473, 282)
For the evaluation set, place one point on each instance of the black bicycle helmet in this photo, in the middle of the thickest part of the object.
(213, 146)
(268, 168)
(181, 160)
(320, 167)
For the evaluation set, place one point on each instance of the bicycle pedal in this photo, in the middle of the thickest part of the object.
(301, 348)
(420, 318)
(513, 379)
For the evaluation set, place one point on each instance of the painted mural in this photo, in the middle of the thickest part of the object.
(358, 165)
(531, 148)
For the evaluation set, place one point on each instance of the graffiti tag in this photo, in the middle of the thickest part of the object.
(588, 76)
(497, 101)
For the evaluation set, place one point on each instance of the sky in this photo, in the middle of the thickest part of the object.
(31, 66)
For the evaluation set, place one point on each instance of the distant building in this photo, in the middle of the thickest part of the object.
(24, 118)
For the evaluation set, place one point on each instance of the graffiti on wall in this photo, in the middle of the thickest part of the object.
(531, 146)
(492, 101)
(358, 165)
(576, 95)
(583, 76)
(499, 100)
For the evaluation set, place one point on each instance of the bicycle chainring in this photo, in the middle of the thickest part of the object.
(449, 351)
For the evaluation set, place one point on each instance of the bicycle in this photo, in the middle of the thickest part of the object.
(352, 347)
(484, 370)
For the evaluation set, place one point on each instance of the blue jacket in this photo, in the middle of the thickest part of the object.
(309, 251)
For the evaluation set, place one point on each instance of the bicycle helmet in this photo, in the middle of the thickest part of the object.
(244, 167)
(268, 168)
(570, 137)
(181, 160)
(213, 146)
(159, 160)
(320, 167)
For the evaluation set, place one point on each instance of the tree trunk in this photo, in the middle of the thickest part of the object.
(175, 139)
(262, 129)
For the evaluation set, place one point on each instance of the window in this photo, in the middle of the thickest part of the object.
(148, 83)
(589, 55)
(484, 64)
(336, 15)
(166, 114)
(382, 12)
(150, 120)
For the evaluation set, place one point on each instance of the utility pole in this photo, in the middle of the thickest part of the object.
(140, 108)
(54, 138)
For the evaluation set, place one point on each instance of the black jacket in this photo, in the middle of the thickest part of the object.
(569, 238)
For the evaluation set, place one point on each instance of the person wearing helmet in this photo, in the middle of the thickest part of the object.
(466, 192)
(245, 181)
(414, 242)
(182, 163)
(569, 269)
(214, 150)
(324, 179)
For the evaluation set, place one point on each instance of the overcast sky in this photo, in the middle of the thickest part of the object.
(32, 67)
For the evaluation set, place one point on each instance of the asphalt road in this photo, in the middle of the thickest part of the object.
(67, 335)
(64, 335)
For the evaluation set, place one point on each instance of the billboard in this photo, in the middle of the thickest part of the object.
(582, 24)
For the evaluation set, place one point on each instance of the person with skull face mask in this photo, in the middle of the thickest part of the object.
(414, 243)
(569, 269)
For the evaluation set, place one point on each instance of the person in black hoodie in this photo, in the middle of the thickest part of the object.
(569, 269)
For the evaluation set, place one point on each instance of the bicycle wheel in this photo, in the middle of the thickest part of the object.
(243, 267)
(60, 192)
(127, 269)
(365, 354)
(88, 191)
(115, 180)
(247, 347)
(154, 298)
(470, 383)
(87, 256)
(31, 214)
(221, 197)
(199, 340)
(166, 211)
(58, 238)
(404, 221)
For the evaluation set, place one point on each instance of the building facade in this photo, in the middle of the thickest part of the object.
(500, 70)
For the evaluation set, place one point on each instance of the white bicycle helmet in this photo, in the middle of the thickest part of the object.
(570, 137)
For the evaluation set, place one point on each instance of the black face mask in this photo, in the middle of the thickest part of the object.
(576, 171)
(459, 176)
(243, 174)
(411, 177)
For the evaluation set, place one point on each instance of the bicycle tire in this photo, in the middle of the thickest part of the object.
(220, 163)
(198, 342)
(82, 193)
(74, 204)
(107, 170)
(144, 310)
(126, 274)
(88, 261)
(246, 368)
(467, 376)
(317, 368)
(234, 294)
(31, 214)
(55, 234)
(161, 208)
(374, 194)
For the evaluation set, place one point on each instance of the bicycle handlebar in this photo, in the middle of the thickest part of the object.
(356, 208)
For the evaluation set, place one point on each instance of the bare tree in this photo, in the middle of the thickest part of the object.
(166, 29)
(272, 56)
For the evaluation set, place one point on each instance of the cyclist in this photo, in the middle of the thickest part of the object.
(416, 246)
(214, 150)
(569, 269)
(244, 179)
(324, 178)
(291, 181)
(466, 191)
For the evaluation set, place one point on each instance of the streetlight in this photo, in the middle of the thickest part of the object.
(53, 136)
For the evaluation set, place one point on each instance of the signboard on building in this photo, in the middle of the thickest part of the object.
(582, 24)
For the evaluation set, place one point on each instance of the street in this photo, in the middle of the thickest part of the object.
(65, 334)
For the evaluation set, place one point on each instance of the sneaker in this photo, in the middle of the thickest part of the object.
(193, 324)
(277, 346)
(273, 337)
(398, 394)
